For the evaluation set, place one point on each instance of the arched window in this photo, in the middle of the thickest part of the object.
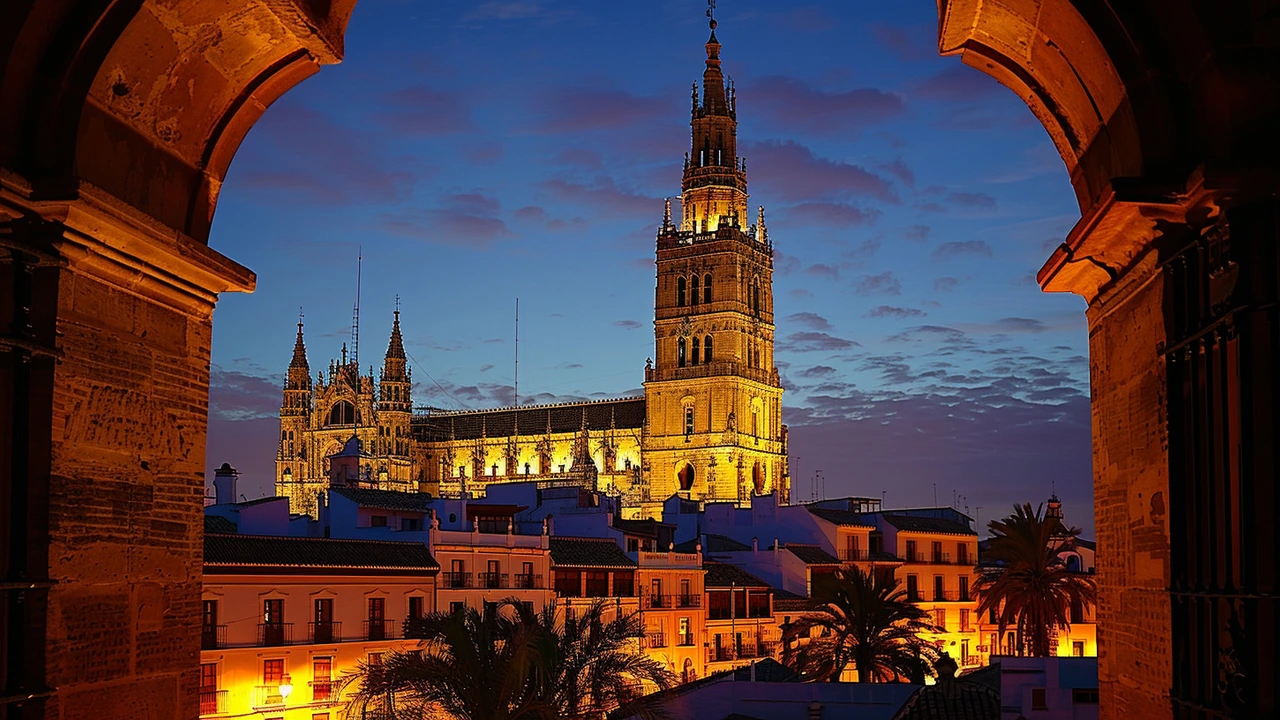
(688, 421)
(693, 291)
(686, 477)
(706, 288)
(755, 297)
(680, 291)
(757, 479)
(680, 352)
(342, 413)
(693, 360)
(706, 348)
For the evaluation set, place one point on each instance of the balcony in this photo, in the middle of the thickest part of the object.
(494, 581)
(325, 632)
(947, 596)
(213, 637)
(212, 701)
(747, 651)
(669, 602)
(941, 558)
(855, 555)
(655, 640)
(378, 629)
(455, 580)
(267, 695)
(273, 634)
(685, 640)
(526, 582)
(323, 691)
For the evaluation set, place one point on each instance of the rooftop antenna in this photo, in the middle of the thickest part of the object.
(355, 334)
(935, 494)
(516, 418)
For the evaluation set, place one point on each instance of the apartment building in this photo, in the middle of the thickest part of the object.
(484, 560)
(672, 609)
(741, 627)
(586, 570)
(283, 618)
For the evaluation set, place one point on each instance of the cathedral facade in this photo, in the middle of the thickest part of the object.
(709, 426)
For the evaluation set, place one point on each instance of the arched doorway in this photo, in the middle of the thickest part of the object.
(757, 478)
(685, 477)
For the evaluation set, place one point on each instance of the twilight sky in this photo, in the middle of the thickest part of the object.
(484, 151)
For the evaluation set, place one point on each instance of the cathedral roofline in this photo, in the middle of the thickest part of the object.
(509, 408)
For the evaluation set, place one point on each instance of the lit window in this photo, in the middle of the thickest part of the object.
(680, 349)
(688, 421)
(680, 282)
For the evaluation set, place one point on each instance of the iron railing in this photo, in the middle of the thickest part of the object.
(494, 581)
(212, 701)
(377, 629)
(213, 637)
(325, 632)
(273, 634)
(455, 580)
(524, 581)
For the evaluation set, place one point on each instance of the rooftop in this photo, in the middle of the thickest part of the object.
(914, 523)
(841, 517)
(588, 552)
(596, 415)
(722, 575)
(386, 499)
(811, 554)
(260, 551)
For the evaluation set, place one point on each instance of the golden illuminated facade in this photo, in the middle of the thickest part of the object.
(318, 417)
(713, 398)
(709, 426)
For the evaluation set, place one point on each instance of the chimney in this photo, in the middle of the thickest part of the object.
(224, 484)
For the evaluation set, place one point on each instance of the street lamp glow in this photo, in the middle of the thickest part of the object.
(286, 686)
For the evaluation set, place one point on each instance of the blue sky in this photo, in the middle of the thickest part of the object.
(480, 152)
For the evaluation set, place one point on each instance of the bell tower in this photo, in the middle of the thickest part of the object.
(713, 398)
(294, 476)
(395, 410)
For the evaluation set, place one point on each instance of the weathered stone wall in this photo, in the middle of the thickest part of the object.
(1131, 490)
(130, 415)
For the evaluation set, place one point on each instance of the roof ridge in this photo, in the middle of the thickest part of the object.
(542, 406)
(320, 539)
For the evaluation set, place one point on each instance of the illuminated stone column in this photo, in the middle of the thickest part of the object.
(115, 466)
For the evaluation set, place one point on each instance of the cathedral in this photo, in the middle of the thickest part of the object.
(709, 426)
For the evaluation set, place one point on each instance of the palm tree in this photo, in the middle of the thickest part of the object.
(509, 663)
(865, 620)
(1031, 589)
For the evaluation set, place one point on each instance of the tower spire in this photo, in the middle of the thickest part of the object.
(300, 349)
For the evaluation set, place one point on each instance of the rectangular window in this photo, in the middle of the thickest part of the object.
(272, 671)
(1084, 696)
(938, 555)
(686, 635)
(377, 521)
(375, 658)
(209, 639)
(964, 588)
(1077, 612)
(417, 606)
(633, 545)
(911, 552)
(624, 584)
(913, 590)
(597, 584)
(273, 611)
(457, 607)
(321, 679)
(319, 716)
(208, 677)
(377, 625)
(1077, 648)
(322, 626)
(964, 620)
(688, 421)
(407, 524)
(1039, 701)
(940, 618)
(939, 592)
(962, 553)
(686, 596)
(568, 583)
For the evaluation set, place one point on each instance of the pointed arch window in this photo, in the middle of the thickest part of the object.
(693, 290)
(680, 282)
(680, 347)
(706, 350)
(342, 413)
(695, 354)
(686, 477)
(706, 289)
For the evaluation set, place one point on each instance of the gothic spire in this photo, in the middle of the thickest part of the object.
(300, 350)
(395, 349)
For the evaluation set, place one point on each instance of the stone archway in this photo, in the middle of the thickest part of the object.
(1164, 114)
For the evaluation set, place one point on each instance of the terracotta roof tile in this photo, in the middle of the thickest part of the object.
(723, 575)
(331, 555)
(386, 499)
(588, 552)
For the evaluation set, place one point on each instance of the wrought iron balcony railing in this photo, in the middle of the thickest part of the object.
(526, 582)
(213, 637)
(323, 691)
(494, 581)
(455, 580)
(378, 629)
(325, 632)
(212, 701)
(274, 634)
